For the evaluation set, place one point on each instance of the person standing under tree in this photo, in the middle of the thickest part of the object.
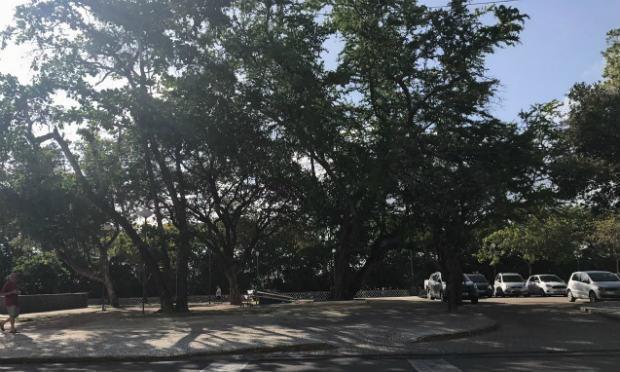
(11, 301)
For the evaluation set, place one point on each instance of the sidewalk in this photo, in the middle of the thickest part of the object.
(357, 327)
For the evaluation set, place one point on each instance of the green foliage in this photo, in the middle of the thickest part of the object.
(606, 235)
(549, 235)
(591, 165)
(42, 272)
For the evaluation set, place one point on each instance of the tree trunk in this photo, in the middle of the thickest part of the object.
(163, 245)
(341, 289)
(233, 285)
(107, 279)
(455, 281)
(182, 304)
(175, 184)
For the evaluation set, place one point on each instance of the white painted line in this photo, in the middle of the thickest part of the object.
(433, 365)
(225, 367)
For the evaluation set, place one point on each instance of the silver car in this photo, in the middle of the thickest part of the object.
(509, 284)
(546, 285)
(593, 285)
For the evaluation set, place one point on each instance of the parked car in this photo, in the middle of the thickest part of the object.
(437, 288)
(593, 285)
(545, 285)
(485, 289)
(509, 284)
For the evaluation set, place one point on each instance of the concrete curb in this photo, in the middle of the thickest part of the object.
(494, 326)
(317, 346)
(609, 314)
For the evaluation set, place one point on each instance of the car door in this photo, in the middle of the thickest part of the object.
(497, 283)
(573, 284)
(580, 285)
(586, 283)
(535, 285)
(529, 284)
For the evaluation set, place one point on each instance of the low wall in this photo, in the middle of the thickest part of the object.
(366, 293)
(49, 302)
(310, 295)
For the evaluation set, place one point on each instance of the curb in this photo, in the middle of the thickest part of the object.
(614, 315)
(435, 355)
(317, 346)
(494, 326)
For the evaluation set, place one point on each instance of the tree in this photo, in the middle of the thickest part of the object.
(553, 235)
(133, 44)
(606, 236)
(591, 129)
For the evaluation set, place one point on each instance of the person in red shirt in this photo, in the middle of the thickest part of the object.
(11, 301)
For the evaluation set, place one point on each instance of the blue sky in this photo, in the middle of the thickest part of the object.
(561, 45)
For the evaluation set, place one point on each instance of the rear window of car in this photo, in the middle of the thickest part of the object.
(477, 278)
(550, 278)
(512, 278)
(603, 277)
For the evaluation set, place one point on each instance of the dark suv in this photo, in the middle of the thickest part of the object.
(436, 288)
(485, 289)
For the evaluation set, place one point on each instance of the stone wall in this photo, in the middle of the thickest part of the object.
(49, 302)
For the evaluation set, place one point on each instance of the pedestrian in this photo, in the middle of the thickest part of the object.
(11, 301)
(218, 294)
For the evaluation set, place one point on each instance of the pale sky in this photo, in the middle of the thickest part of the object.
(561, 45)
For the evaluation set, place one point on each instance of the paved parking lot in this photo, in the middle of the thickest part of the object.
(534, 334)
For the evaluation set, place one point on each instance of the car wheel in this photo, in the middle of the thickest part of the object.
(571, 298)
(592, 297)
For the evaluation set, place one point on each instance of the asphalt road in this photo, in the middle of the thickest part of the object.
(535, 334)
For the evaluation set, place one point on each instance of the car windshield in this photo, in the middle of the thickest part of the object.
(550, 278)
(512, 278)
(477, 278)
(603, 277)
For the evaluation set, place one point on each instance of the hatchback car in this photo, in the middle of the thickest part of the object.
(509, 284)
(437, 288)
(593, 285)
(546, 285)
(485, 289)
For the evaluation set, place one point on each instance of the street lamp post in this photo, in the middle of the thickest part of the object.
(257, 271)
(145, 213)
(334, 267)
(103, 287)
(411, 270)
(209, 263)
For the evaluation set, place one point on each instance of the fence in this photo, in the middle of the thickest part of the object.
(310, 295)
(49, 302)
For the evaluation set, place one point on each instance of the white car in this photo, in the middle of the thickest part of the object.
(546, 285)
(509, 284)
(593, 285)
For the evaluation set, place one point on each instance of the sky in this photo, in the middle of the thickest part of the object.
(560, 45)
